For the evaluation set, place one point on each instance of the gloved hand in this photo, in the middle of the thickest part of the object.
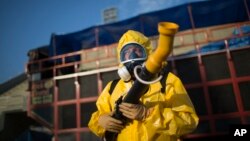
(110, 124)
(134, 111)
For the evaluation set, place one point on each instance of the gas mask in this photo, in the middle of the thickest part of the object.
(131, 55)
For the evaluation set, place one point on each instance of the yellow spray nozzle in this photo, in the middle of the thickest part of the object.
(167, 31)
(168, 28)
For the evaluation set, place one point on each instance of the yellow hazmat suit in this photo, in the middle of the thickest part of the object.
(173, 113)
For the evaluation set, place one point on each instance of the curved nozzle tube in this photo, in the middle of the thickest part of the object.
(167, 31)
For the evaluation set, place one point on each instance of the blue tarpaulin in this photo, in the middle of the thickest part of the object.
(203, 14)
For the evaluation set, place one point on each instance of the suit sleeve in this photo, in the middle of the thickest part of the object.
(103, 107)
(176, 116)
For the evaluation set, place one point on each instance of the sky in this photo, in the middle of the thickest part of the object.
(28, 24)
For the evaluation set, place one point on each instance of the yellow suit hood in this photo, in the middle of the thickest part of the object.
(135, 37)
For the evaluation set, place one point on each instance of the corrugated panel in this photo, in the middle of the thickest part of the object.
(13, 103)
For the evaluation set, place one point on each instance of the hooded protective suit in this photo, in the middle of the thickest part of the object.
(173, 113)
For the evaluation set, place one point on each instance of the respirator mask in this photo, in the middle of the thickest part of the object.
(131, 55)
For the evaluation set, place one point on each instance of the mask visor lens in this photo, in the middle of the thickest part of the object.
(132, 52)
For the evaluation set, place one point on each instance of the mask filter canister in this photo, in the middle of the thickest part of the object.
(124, 74)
